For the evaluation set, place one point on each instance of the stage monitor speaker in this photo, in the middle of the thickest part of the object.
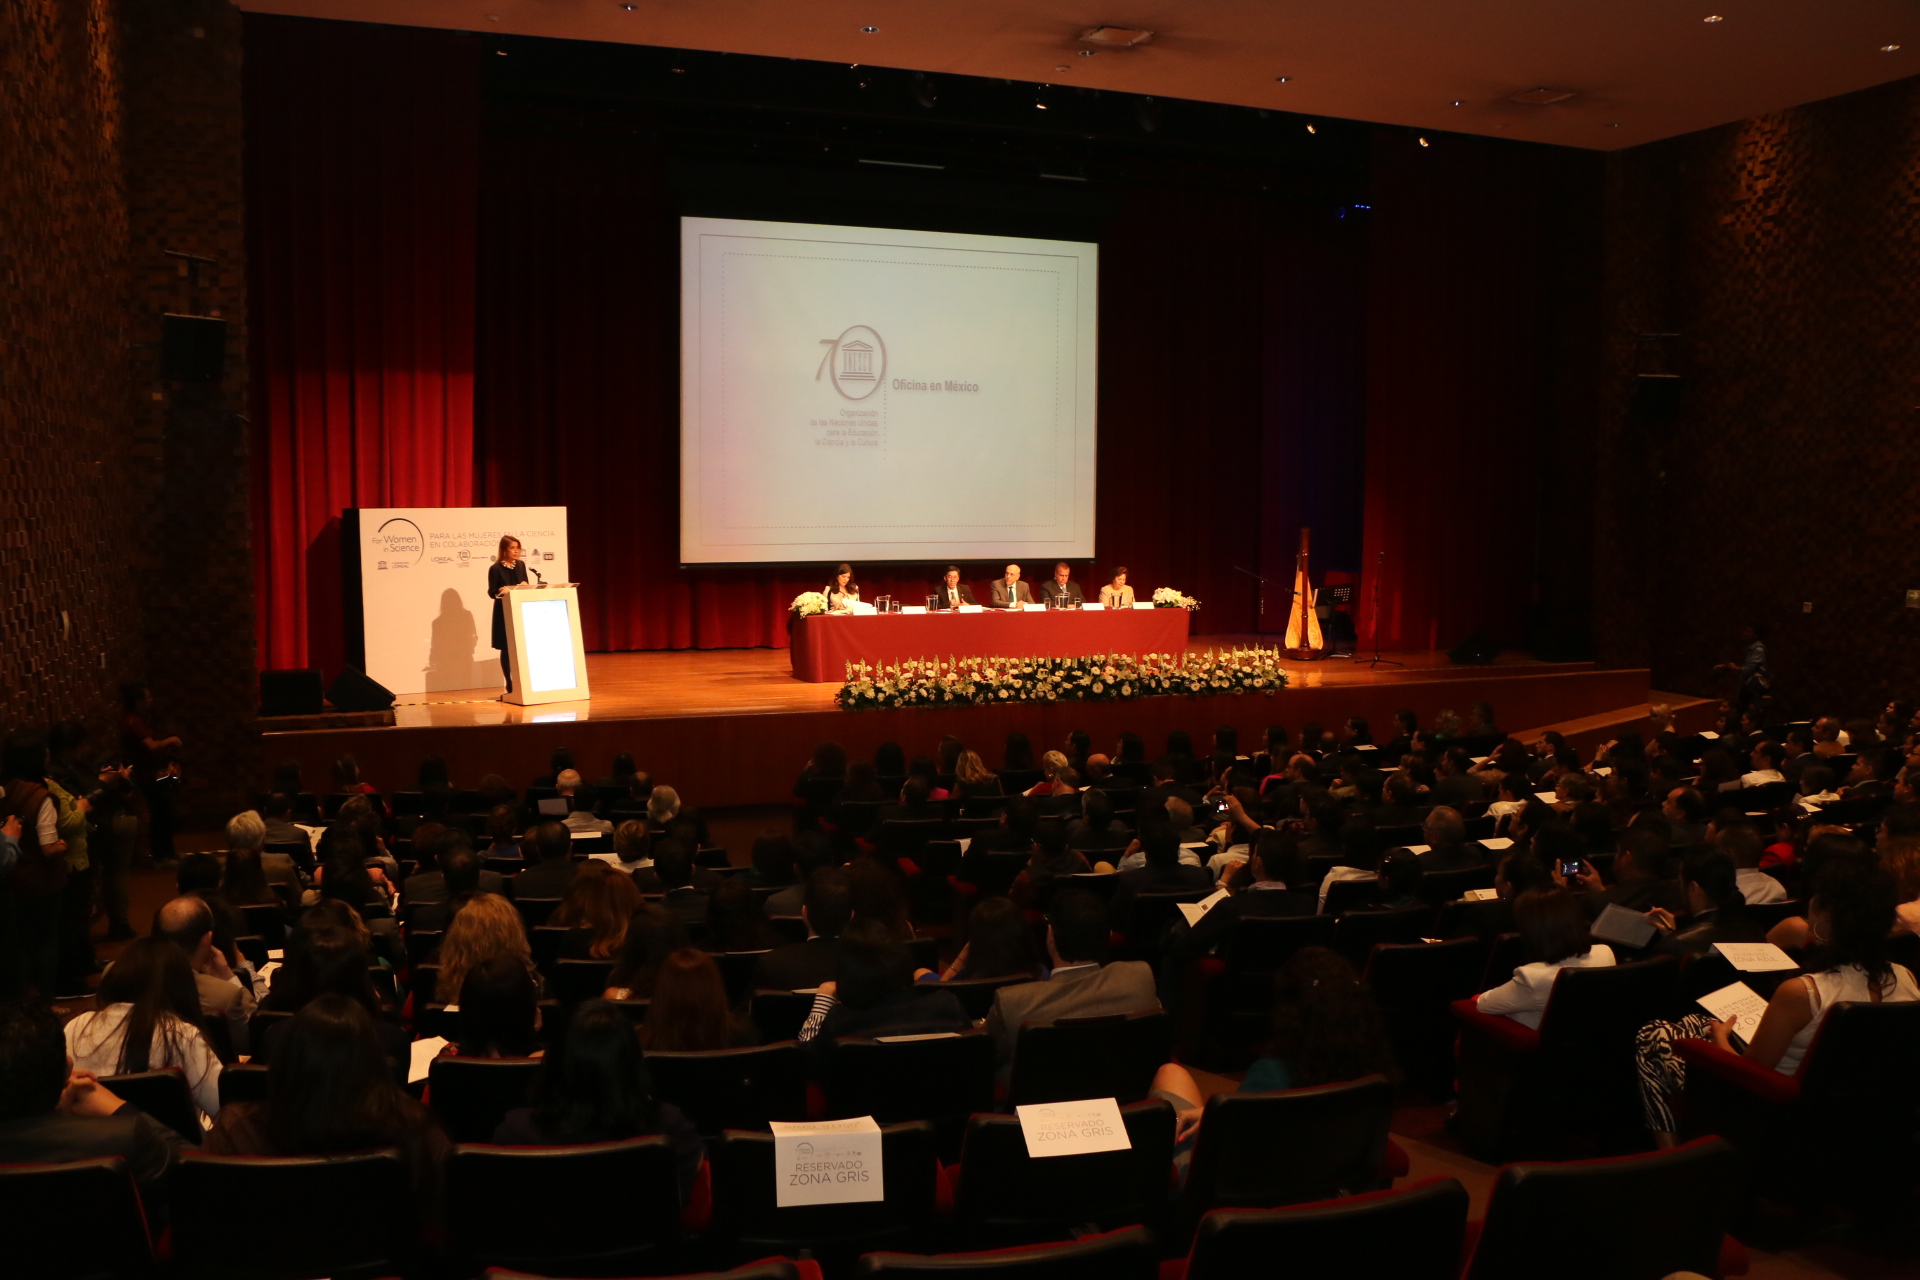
(193, 348)
(295, 691)
(1656, 397)
(355, 691)
(1477, 650)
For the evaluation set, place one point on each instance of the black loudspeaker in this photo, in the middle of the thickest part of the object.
(1477, 650)
(1656, 397)
(297, 691)
(355, 691)
(193, 348)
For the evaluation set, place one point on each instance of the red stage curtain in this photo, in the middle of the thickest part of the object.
(362, 173)
(1456, 396)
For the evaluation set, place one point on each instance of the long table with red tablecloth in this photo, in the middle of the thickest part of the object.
(824, 644)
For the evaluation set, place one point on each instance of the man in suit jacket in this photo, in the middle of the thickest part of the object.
(952, 593)
(1062, 592)
(55, 1114)
(1009, 590)
(187, 922)
(798, 966)
(1448, 848)
(1162, 872)
(1261, 886)
(553, 869)
(1458, 785)
(430, 885)
(1083, 985)
(459, 876)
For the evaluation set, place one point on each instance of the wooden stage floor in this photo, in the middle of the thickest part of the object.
(736, 682)
(732, 727)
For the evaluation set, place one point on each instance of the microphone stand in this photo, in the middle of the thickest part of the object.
(1261, 577)
(1378, 566)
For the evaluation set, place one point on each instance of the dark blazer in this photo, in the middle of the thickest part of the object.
(904, 1013)
(547, 879)
(431, 886)
(1459, 858)
(1708, 928)
(686, 904)
(148, 1146)
(1191, 942)
(1125, 986)
(498, 576)
(966, 595)
(1053, 593)
(798, 965)
(1459, 790)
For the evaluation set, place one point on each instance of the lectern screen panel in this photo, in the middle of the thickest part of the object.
(549, 633)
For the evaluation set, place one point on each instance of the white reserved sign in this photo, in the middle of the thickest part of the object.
(827, 1162)
(1073, 1128)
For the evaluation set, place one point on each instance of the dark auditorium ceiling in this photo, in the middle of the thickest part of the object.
(1637, 70)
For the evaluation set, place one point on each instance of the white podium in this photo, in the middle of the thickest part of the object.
(543, 645)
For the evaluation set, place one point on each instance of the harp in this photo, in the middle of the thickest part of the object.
(1303, 623)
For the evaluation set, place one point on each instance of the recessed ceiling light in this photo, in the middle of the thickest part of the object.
(1424, 142)
(1311, 129)
(867, 31)
(1063, 68)
(1889, 48)
(1088, 53)
(1713, 17)
(1456, 102)
(1282, 79)
(1116, 37)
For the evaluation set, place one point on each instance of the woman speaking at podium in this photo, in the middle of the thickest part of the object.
(509, 570)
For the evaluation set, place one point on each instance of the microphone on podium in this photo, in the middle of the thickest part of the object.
(536, 573)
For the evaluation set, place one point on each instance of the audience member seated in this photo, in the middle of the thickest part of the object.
(244, 880)
(1447, 846)
(485, 928)
(329, 1092)
(594, 1087)
(1359, 856)
(1456, 785)
(811, 852)
(972, 779)
(559, 760)
(653, 934)
(52, 1111)
(1326, 1030)
(673, 864)
(1081, 985)
(324, 958)
(1161, 872)
(1851, 916)
(664, 809)
(774, 863)
(187, 922)
(1716, 910)
(1095, 828)
(551, 868)
(916, 804)
(1553, 936)
(689, 1012)
(1261, 886)
(999, 944)
(429, 883)
(501, 826)
(596, 910)
(199, 876)
(146, 1018)
(278, 826)
(1399, 877)
(1055, 779)
(872, 991)
(1685, 810)
(499, 1010)
(1641, 875)
(580, 819)
(736, 920)
(1049, 862)
(1741, 842)
(460, 877)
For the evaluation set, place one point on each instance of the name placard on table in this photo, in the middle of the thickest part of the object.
(827, 1162)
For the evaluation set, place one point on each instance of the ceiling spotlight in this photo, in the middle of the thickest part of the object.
(1424, 142)
(1116, 37)
(1456, 102)
(1311, 129)
(867, 31)
(1282, 79)
(1713, 17)
(1063, 68)
(499, 53)
(629, 8)
(1088, 53)
(1541, 97)
(1889, 48)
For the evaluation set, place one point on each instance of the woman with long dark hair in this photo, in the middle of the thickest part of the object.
(147, 1017)
(597, 907)
(506, 572)
(499, 1011)
(653, 934)
(329, 1091)
(999, 945)
(594, 1088)
(737, 918)
(1019, 753)
(324, 958)
(689, 1012)
(843, 592)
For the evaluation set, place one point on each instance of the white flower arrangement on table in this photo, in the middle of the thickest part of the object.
(1168, 598)
(932, 682)
(808, 603)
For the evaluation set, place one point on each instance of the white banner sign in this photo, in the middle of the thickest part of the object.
(827, 1162)
(1073, 1128)
(426, 618)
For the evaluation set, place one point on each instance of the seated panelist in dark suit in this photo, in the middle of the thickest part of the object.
(952, 593)
(1063, 592)
(1009, 590)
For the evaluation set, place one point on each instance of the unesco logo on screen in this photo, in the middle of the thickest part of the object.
(856, 361)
